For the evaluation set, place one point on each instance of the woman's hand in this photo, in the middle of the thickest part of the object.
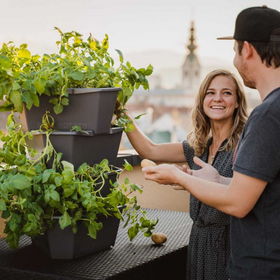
(207, 171)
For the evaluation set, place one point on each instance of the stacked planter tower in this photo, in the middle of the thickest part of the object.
(92, 110)
(68, 100)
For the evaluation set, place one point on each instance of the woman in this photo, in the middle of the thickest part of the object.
(218, 118)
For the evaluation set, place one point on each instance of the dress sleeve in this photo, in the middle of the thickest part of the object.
(189, 153)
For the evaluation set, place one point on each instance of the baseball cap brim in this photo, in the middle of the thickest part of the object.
(226, 38)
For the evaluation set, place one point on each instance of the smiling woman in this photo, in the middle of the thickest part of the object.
(219, 105)
(221, 96)
(218, 118)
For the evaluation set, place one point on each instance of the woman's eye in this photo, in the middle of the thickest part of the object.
(227, 93)
(209, 92)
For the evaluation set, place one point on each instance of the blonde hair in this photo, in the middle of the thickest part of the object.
(202, 130)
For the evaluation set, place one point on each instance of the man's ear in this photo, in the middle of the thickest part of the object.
(247, 50)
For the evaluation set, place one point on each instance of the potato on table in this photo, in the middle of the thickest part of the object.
(159, 238)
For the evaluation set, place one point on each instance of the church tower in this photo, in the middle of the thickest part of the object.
(191, 66)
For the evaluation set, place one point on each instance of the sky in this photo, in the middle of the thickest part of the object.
(132, 26)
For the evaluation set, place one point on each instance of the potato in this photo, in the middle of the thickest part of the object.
(147, 162)
(159, 238)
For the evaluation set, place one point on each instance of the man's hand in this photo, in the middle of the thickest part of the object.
(171, 174)
(166, 174)
(185, 169)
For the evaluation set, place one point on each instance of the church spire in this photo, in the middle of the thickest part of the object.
(192, 46)
(191, 66)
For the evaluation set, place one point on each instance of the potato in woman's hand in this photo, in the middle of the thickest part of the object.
(147, 162)
(159, 238)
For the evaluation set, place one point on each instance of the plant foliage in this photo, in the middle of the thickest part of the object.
(79, 63)
(32, 194)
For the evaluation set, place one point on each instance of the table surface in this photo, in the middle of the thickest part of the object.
(29, 263)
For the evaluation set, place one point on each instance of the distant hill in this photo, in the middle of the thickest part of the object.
(168, 65)
(158, 58)
(168, 69)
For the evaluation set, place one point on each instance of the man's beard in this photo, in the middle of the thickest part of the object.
(247, 80)
(249, 83)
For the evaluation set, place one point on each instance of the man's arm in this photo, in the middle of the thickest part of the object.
(243, 193)
(236, 199)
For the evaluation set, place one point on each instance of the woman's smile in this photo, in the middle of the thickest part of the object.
(220, 100)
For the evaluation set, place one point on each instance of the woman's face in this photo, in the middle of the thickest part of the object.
(220, 100)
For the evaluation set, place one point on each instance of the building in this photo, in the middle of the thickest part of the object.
(191, 66)
(167, 110)
(182, 95)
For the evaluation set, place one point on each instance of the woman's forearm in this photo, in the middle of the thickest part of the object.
(169, 152)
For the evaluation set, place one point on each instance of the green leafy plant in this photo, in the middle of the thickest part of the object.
(32, 194)
(78, 128)
(78, 64)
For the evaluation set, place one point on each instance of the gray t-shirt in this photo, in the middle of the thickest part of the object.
(255, 239)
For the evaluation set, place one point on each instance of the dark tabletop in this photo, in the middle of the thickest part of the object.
(139, 259)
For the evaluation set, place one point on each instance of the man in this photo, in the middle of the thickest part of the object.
(252, 196)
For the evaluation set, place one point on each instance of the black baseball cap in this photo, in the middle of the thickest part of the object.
(256, 24)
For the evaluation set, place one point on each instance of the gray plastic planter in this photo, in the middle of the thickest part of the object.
(92, 109)
(64, 244)
(78, 147)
